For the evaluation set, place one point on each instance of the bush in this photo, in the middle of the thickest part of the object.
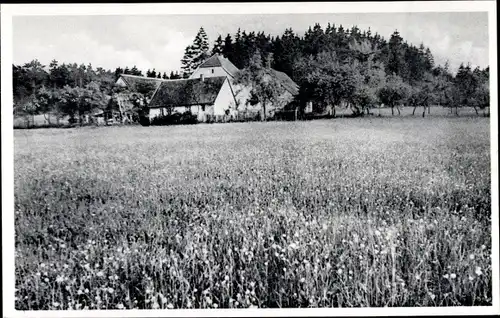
(174, 119)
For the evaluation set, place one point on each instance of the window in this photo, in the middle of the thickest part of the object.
(203, 108)
(213, 71)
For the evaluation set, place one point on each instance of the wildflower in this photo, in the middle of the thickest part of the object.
(432, 296)
(446, 276)
(42, 265)
(471, 278)
(100, 274)
(215, 305)
(38, 274)
(79, 292)
(478, 271)
(46, 280)
(86, 290)
(302, 280)
(377, 233)
(66, 266)
(59, 279)
(120, 306)
(339, 271)
(471, 256)
(483, 247)
(55, 304)
(110, 290)
(453, 276)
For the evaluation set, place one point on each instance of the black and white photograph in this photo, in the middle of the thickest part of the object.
(250, 159)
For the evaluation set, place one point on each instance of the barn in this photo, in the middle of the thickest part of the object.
(207, 98)
(217, 65)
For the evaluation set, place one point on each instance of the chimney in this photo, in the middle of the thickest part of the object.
(202, 77)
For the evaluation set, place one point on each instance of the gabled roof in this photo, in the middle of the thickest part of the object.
(187, 92)
(286, 81)
(133, 80)
(218, 60)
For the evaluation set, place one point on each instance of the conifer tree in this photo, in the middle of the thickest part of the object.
(196, 53)
(218, 46)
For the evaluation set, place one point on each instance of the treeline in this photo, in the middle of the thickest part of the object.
(338, 66)
(333, 66)
(72, 90)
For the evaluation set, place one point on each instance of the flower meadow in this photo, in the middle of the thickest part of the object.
(327, 213)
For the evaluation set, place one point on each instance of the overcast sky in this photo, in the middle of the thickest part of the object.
(159, 41)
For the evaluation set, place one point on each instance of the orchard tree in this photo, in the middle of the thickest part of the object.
(264, 87)
(393, 93)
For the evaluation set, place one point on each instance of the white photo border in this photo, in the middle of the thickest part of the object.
(10, 10)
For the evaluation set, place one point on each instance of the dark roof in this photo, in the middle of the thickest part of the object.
(286, 81)
(186, 92)
(218, 60)
(133, 80)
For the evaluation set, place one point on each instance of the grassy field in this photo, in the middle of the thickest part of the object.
(327, 213)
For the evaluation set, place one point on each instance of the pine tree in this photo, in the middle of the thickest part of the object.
(196, 53)
(153, 73)
(172, 75)
(165, 75)
(201, 47)
(227, 49)
(187, 60)
(218, 46)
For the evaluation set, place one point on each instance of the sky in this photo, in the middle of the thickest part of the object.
(159, 41)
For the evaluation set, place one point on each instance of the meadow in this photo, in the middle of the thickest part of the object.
(350, 212)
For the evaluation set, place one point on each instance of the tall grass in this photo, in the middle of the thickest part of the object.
(338, 213)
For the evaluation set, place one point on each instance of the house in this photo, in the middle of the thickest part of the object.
(209, 91)
(210, 97)
(214, 66)
(218, 65)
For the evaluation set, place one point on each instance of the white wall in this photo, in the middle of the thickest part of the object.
(154, 112)
(121, 82)
(225, 99)
(217, 71)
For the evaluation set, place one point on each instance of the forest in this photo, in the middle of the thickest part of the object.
(333, 66)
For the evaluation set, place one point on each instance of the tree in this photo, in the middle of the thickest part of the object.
(264, 88)
(135, 71)
(196, 53)
(165, 76)
(119, 71)
(396, 54)
(393, 93)
(218, 46)
(227, 49)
